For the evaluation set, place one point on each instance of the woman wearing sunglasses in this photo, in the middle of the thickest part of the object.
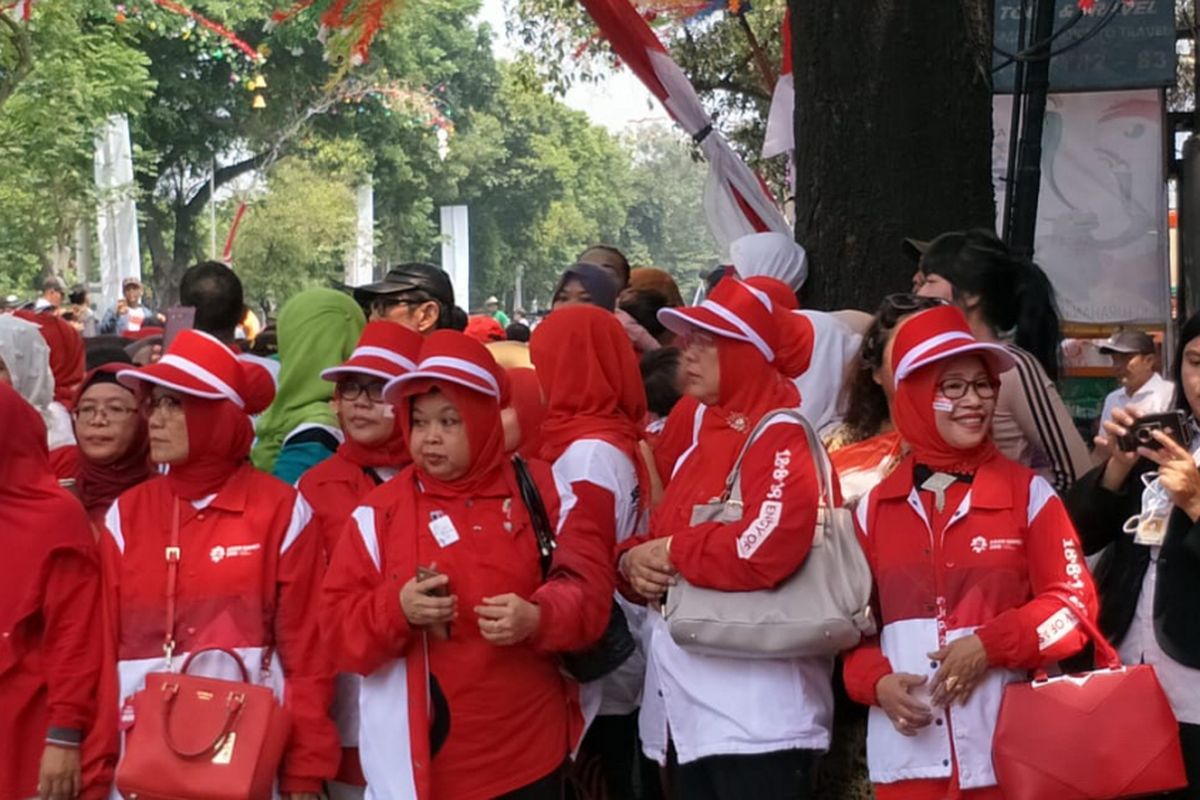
(978, 572)
(372, 452)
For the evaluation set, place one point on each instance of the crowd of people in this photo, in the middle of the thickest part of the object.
(444, 542)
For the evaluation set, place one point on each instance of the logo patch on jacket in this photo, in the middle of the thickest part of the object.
(982, 543)
(220, 552)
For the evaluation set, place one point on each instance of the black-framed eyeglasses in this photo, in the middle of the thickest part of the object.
(957, 388)
(114, 412)
(383, 305)
(351, 389)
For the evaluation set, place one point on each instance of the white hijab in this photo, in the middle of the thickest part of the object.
(770, 255)
(27, 357)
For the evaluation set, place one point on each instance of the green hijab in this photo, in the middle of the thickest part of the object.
(317, 329)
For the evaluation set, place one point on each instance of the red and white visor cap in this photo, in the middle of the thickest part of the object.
(734, 310)
(451, 357)
(198, 365)
(937, 334)
(385, 350)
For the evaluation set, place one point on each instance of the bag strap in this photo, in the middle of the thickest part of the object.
(1105, 654)
(543, 531)
(820, 458)
(172, 555)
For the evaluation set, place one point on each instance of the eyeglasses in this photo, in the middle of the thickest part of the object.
(167, 404)
(350, 389)
(116, 412)
(956, 388)
(697, 338)
(382, 306)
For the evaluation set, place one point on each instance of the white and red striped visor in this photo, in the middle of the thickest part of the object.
(450, 356)
(734, 310)
(385, 350)
(937, 334)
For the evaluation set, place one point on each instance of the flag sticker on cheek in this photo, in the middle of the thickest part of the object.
(942, 403)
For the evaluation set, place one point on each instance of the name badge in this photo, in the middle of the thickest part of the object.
(443, 531)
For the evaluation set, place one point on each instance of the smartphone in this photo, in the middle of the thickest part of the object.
(1172, 423)
(425, 573)
(179, 318)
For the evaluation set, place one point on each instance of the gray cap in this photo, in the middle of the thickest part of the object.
(1128, 343)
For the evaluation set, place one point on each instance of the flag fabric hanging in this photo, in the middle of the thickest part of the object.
(736, 202)
(780, 136)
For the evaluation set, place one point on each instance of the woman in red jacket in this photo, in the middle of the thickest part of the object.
(373, 452)
(740, 727)
(436, 595)
(979, 574)
(248, 558)
(51, 647)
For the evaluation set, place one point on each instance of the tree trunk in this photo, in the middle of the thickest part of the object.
(893, 136)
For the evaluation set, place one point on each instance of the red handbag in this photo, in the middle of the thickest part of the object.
(1109, 733)
(198, 738)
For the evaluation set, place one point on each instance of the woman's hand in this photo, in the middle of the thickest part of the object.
(1176, 473)
(648, 568)
(964, 662)
(59, 777)
(508, 619)
(908, 715)
(1120, 463)
(422, 605)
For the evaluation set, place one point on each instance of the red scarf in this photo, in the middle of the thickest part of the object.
(66, 354)
(912, 412)
(531, 409)
(219, 439)
(99, 484)
(39, 517)
(750, 387)
(592, 383)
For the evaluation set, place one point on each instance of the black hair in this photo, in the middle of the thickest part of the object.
(517, 332)
(1014, 295)
(608, 248)
(456, 320)
(866, 402)
(215, 291)
(1189, 331)
(643, 305)
(78, 294)
(660, 376)
(104, 350)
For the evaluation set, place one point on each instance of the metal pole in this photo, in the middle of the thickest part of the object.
(212, 208)
(1014, 124)
(1029, 156)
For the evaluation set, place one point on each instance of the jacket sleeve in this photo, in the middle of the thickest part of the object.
(71, 609)
(1029, 395)
(314, 749)
(677, 435)
(863, 666)
(1045, 629)
(1097, 513)
(771, 541)
(576, 599)
(362, 623)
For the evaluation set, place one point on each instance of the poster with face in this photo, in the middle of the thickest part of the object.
(1102, 213)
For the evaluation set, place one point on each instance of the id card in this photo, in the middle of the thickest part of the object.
(443, 531)
(1151, 530)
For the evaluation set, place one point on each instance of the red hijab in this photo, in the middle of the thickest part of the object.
(392, 452)
(67, 354)
(913, 414)
(592, 383)
(37, 517)
(219, 440)
(97, 485)
(531, 410)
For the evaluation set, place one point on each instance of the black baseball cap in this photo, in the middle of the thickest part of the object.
(415, 276)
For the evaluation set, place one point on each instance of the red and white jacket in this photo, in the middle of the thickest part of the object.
(711, 706)
(1002, 561)
(250, 564)
(513, 715)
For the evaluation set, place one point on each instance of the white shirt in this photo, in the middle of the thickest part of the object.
(835, 344)
(1155, 397)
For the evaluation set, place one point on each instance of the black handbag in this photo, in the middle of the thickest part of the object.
(616, 644)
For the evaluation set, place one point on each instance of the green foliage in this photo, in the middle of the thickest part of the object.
(298, 234)
(84, 69)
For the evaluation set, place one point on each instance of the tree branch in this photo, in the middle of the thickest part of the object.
(220, 178)
(726, 84)
(19, 36)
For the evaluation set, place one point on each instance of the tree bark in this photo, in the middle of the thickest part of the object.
(893, 128)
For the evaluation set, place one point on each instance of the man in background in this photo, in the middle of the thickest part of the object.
(130, 315)
(417, 295)
(1136, 360)
(215, 291)
(54, 292)
(491, 307)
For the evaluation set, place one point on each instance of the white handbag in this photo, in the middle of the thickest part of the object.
(821, 610)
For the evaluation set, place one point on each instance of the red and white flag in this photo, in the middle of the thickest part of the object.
(736, 202)
(780, 137)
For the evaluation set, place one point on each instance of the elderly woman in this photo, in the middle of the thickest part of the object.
(751, 727)
(247, 557)
(974, 559)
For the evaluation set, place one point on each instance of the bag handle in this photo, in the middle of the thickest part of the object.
(234, 703)
(820, 458)
(187, 662)
(538, 517)
(1105, 655)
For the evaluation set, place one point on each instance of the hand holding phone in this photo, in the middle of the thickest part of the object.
(427, 602)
